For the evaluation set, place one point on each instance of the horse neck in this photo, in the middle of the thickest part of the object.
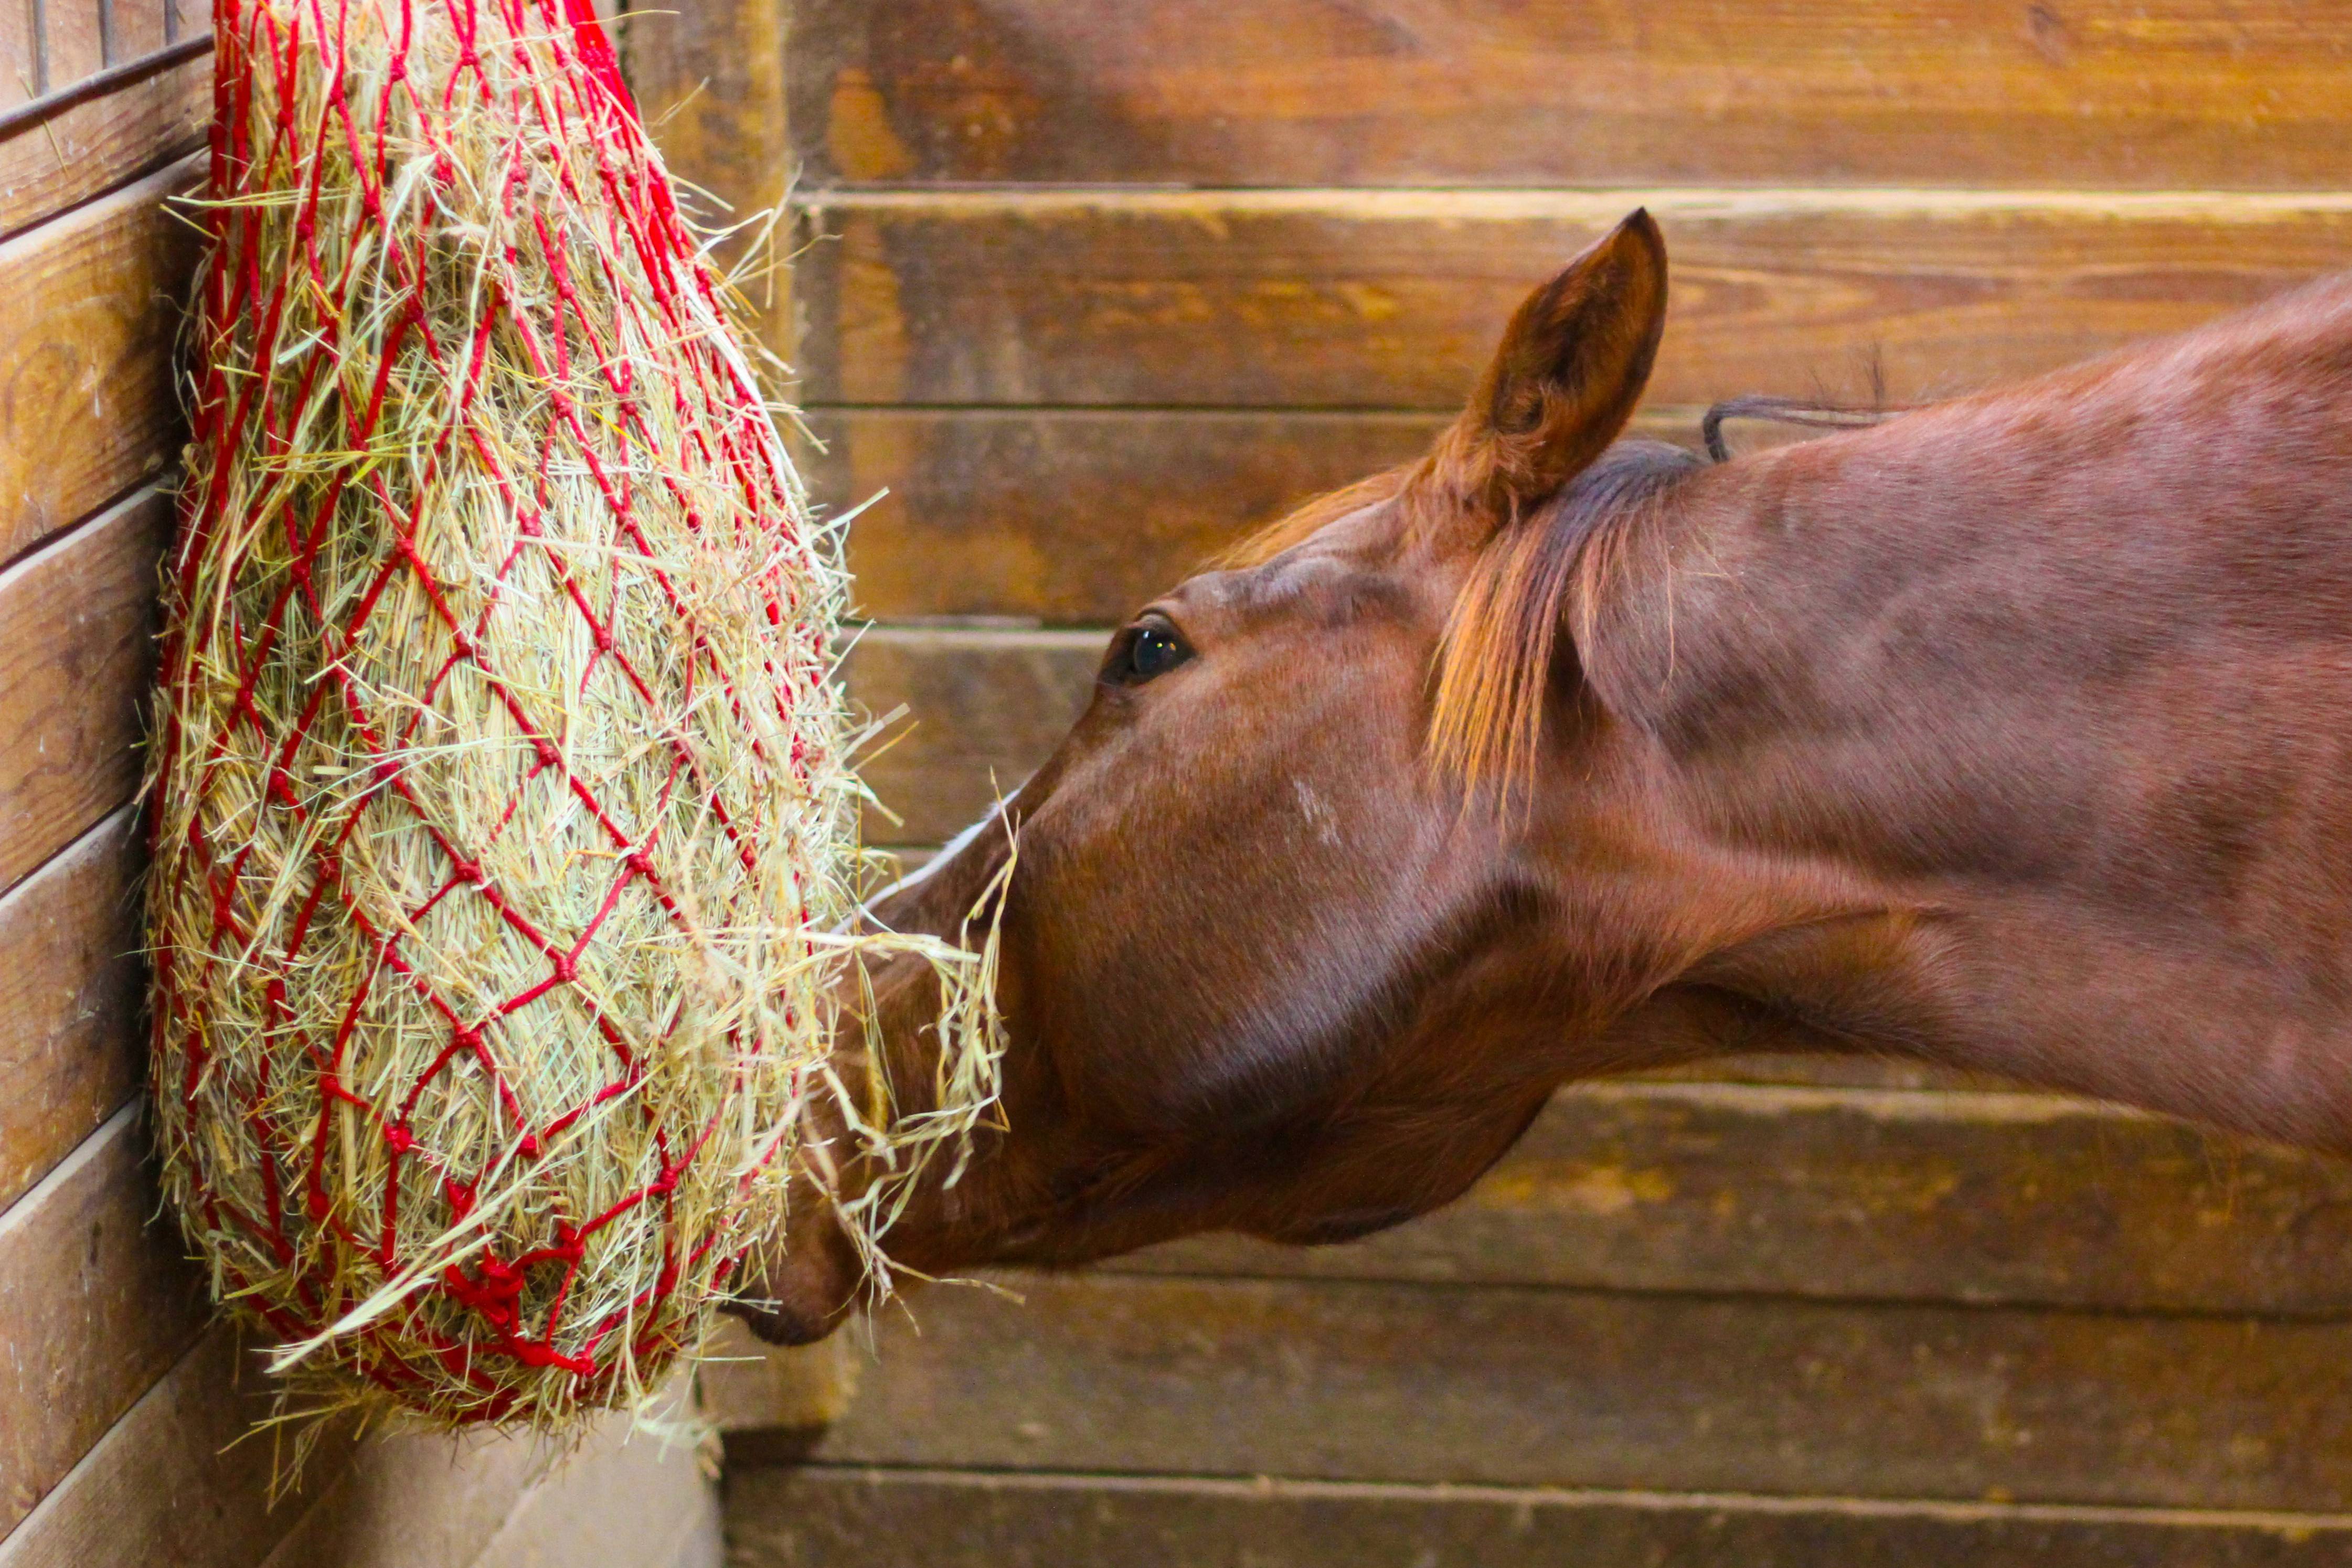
(1962, 715)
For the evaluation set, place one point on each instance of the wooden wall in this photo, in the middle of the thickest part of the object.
(120, 1409)
(1091, 285)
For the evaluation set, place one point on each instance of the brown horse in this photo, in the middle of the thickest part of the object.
(2013, 734)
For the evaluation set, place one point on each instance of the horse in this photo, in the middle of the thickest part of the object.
(2013, 734)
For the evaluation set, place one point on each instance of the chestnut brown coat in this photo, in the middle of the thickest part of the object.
(2013, 734)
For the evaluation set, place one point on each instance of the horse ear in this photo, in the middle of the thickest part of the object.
(1570, 368)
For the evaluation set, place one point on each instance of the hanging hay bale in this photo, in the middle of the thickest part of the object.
(499, 803)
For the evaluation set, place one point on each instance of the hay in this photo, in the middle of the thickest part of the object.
(502, 822)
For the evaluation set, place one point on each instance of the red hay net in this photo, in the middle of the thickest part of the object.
(396, 529)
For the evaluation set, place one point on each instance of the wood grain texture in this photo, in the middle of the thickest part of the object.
(983, 709)
(1394, 299)
(1865, 1194)
(827, 1516)
(73, 40)
(746, 1384)
(72, 1046)
(19, 58)
(2198, 93)
(95, 1306)
(92, 145)
(86, 404)
(710, 81)
(1080, 516)
(1072, 516)
(626, 1498)
(1502, 1385)
(77, 653)
(484, 1499)
(171, 1482)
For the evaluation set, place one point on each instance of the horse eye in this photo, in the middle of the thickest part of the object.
(1153, 648)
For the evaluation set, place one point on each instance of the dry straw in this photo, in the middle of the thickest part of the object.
(502, 822)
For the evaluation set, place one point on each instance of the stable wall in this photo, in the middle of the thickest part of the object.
(1091, 286)
(121, 1407)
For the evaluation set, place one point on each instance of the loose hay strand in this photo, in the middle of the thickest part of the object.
(503, 819)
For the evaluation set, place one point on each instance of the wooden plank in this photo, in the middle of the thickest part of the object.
(1869, 1195)
(95, 1306)
(1393, 300)
(1072, 515)
(181, 1480)
(985, 708)
(19, 58)
(73, 40)
(634, 1499)
(413, 1501)
(710, 80)
(1079, 515)
(1508, 1386)
(87, 403)
(823, 1516)
(2197, 93)
(422, 1499)
(746, 1384)
(76, 653)
(51, 161)
(135, 29)
(73, 1048)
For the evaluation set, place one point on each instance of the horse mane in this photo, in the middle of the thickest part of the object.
(1311, 517)
(1493, 660)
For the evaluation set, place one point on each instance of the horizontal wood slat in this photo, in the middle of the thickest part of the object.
(73, 1048)
(1865, 1194)
(419, 1500)
(77, 651)
(985, 708)
(54, 48)
(2202, 93)
(95, 1306)
(87, 403)
(825, 1516)
(1517, 1386)
(1393, 300)
(1072, 517)
(49, 161)
(1081, 516)
(173, 1483)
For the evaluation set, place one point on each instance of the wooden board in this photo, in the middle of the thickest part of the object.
(1501, 1385)
(95, 1305)
(1072, 517)
(710, 81)
(1865, 1194)
(73, 1048)
(173, 1483)
(827, 1516)
(72, 40)
(1079, 516)
(2099, 93)
(51, 161)
(430, 1500)
(985, 707)
(1393, 300)
(19, 58)
(77, 649)
(86, 404)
